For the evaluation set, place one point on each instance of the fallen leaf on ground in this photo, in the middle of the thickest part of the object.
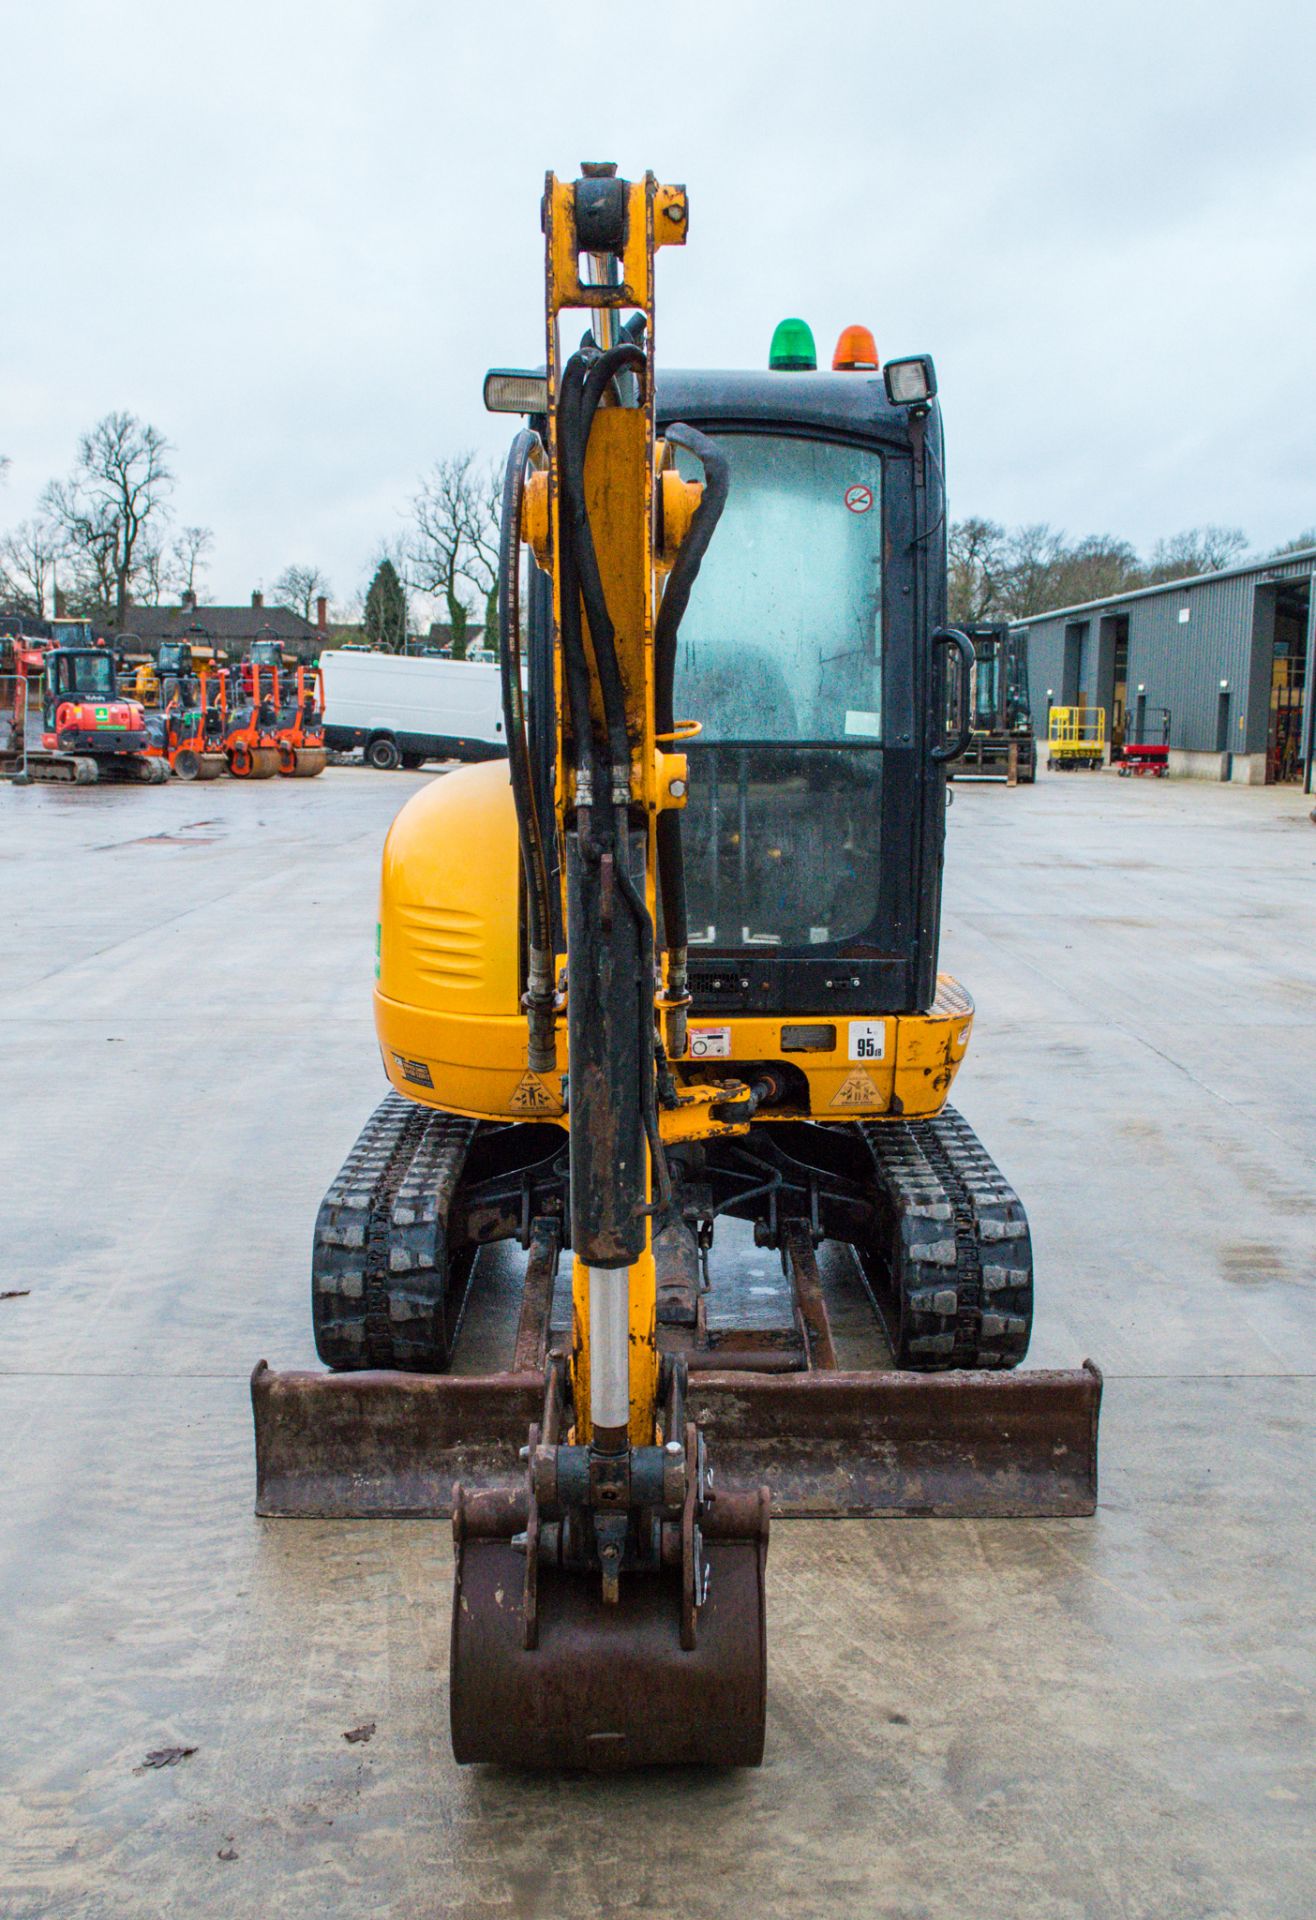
(360, 1733)
(167, 1756)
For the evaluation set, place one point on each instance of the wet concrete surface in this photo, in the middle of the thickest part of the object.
(1068, 1720)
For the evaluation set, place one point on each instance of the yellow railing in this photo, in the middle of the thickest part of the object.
(1077, 733)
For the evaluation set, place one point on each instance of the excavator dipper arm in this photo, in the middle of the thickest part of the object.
(639, 1637)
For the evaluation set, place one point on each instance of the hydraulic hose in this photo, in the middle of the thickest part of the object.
(676, 597)
(539, 997)
(602, 633)
(575, 666)
(580, 402)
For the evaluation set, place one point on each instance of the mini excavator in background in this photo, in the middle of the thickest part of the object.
(661, 989)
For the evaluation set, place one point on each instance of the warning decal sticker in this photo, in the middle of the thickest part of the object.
(414, 1070)
(532, 1096)
(858, 1089)
(859, 498)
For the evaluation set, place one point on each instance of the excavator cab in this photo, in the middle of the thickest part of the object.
(79, 673)
(813, 829)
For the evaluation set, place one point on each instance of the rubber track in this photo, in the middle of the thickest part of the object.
(386, 1289)
(953, 1274)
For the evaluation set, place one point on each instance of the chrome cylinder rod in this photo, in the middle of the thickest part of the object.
(609, 1355)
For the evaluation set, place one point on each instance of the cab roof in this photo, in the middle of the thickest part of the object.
(854, 405)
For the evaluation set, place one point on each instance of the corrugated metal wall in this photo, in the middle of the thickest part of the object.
(1228, 635)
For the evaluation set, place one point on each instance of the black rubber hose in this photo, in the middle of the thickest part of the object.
(573, 446)
(533, 861)
(676, 597)
(575, 666)
(602, 633)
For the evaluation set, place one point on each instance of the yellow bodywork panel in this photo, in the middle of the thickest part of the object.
(447, 1007)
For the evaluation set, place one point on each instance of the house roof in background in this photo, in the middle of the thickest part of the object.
(221, 623)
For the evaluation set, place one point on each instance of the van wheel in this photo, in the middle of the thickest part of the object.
(383, 753)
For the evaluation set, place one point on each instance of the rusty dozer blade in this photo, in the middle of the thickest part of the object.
(545, 1674)
(955, 1445)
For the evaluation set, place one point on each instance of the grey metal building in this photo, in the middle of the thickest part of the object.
(1230, 655)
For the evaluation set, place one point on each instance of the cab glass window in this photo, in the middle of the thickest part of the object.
(782, 640)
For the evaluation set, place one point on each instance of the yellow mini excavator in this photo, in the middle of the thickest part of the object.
(660, 990)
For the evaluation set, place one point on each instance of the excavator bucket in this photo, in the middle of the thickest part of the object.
(546, 1674)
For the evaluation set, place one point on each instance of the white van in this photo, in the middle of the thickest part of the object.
(402, 711)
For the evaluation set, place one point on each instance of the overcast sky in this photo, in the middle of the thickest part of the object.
(293, 236)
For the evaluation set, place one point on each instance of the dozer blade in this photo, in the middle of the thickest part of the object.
(983, 1445)
(604, 1686)
(376, 1445)
(956, 1445)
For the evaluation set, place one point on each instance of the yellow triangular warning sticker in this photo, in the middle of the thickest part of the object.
(532, 1096)
(858, 1089)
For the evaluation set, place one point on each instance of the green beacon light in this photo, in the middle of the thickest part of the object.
(792, 349)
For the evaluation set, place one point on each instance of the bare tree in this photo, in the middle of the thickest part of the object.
(299, 588)
(1196, 550)
(440, 556)
(977, 557)
(189, 550)
(167, 572)
(484, 507)
(151, 576)
(27, 567)
(1092, 569)
(110, 507)
(1298, 544)
(1032, 554)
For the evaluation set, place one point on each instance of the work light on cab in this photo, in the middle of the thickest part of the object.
(856, 351)
(912, 382)
(792, 349)
(510, 390)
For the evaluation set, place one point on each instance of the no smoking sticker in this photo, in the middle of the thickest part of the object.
(859, 498)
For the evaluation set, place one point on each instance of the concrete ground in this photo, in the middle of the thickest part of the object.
(1006, 1721)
